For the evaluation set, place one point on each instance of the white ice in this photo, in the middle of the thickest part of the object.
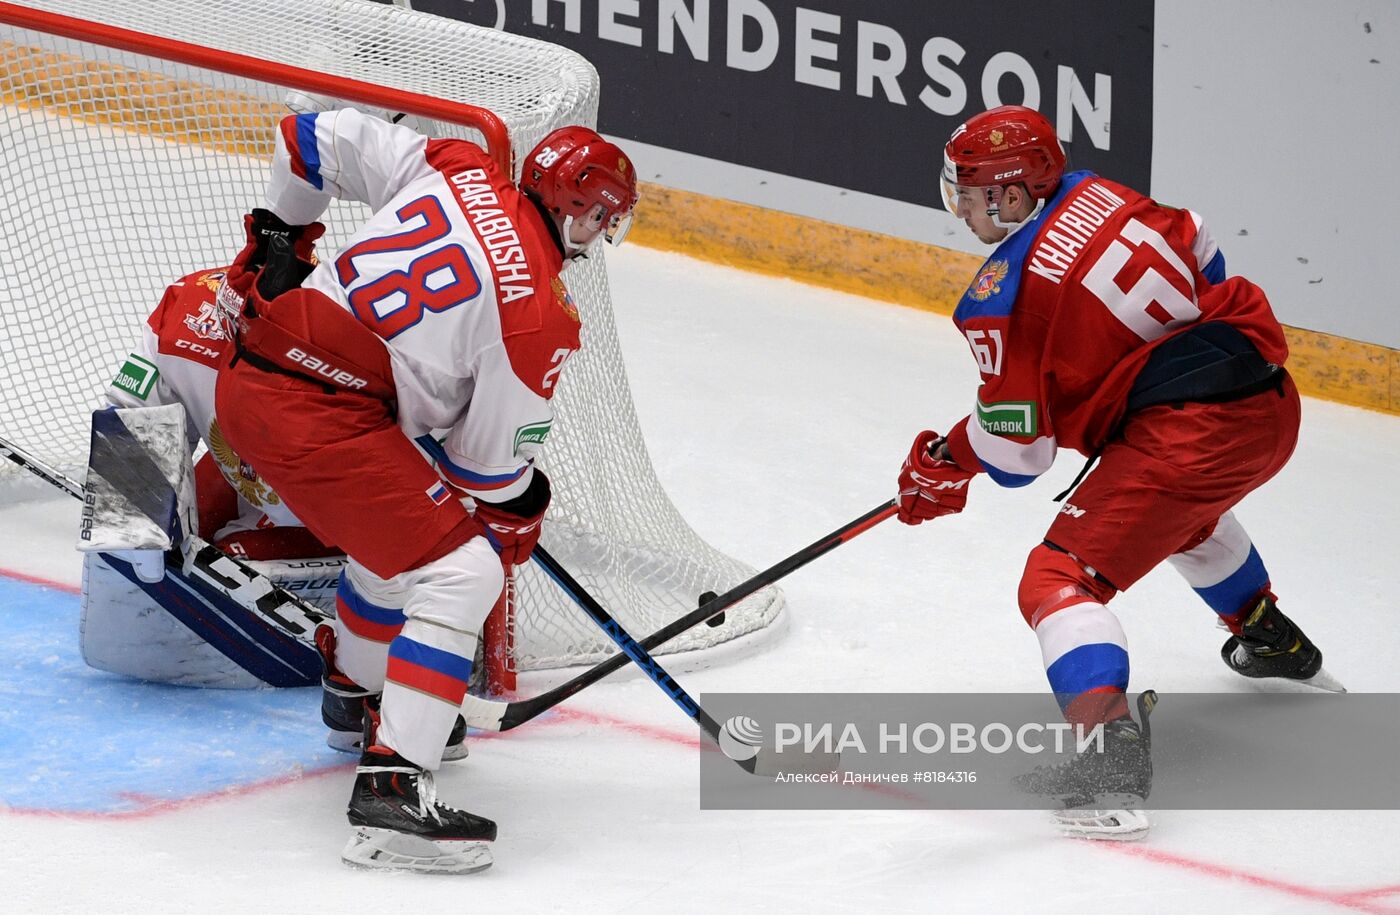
(775, 412)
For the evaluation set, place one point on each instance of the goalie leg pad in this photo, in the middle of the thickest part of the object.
(129, 630)
(132, 627)
(177, 631)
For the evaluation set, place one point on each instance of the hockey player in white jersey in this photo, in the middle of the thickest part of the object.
(445, 311)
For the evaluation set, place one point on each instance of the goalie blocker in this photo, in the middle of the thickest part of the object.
(140, 622)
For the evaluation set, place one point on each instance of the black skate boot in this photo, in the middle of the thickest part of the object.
(399, 822)
(1102, 792)
(1271, 645)
(343, 701)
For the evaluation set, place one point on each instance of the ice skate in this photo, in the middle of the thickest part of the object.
(343, 705)
(1272, 645)
(1103, 792)
(400, 824)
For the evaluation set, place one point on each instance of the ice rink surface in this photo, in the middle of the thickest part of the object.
(774, 412)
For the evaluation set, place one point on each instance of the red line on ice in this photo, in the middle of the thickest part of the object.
(152, 806)
(42, 582)
(1351, 900)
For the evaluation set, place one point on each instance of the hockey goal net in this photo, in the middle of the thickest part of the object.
(137, 133)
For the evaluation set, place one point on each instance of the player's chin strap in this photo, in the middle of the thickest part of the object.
(994, 211)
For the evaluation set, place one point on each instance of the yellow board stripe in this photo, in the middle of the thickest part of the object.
(932, 278)
(151, 103)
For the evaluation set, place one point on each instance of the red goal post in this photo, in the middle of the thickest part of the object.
(491, 127)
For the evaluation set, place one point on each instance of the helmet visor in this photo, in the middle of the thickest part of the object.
(948, 180)
(619, 224)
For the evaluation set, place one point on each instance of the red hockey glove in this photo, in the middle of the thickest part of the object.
(514, 527)
(930, 488)
(260, 227)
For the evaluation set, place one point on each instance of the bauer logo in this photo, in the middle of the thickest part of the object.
(137, 376)
(740, 738)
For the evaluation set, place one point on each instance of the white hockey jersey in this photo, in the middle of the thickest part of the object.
(457, 272)
(176, 361)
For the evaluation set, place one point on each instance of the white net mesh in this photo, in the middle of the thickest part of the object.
(123, 172)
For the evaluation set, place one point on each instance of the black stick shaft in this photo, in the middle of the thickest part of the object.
(41, 470)
(520, 712)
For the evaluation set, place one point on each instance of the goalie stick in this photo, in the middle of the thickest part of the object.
(41, 470)
(299, 619)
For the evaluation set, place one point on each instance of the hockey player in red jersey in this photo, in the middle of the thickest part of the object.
(137, 622)
(445, 311)
(1104, 322)
(176, 361)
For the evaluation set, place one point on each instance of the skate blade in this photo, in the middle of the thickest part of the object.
(344, 741)
(1323, 680)
(349, 742)
(385, 849)
(1102, 825)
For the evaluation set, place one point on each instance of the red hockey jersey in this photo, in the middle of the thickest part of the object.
(1063, 315)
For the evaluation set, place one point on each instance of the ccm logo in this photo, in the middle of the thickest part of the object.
(1011, 174)
(926, 483)
(325, 370)
(196, 348)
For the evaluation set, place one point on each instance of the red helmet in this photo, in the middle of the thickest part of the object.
(1006, 145)
(581, 178)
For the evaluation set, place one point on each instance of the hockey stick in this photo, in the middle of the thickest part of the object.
(496, 716)
(765, 762)
(41, 470)
(199, 560)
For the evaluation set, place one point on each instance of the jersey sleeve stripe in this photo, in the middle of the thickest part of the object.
(299, 135)
(1209, 258)
(469, 480)
(1010, 463)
